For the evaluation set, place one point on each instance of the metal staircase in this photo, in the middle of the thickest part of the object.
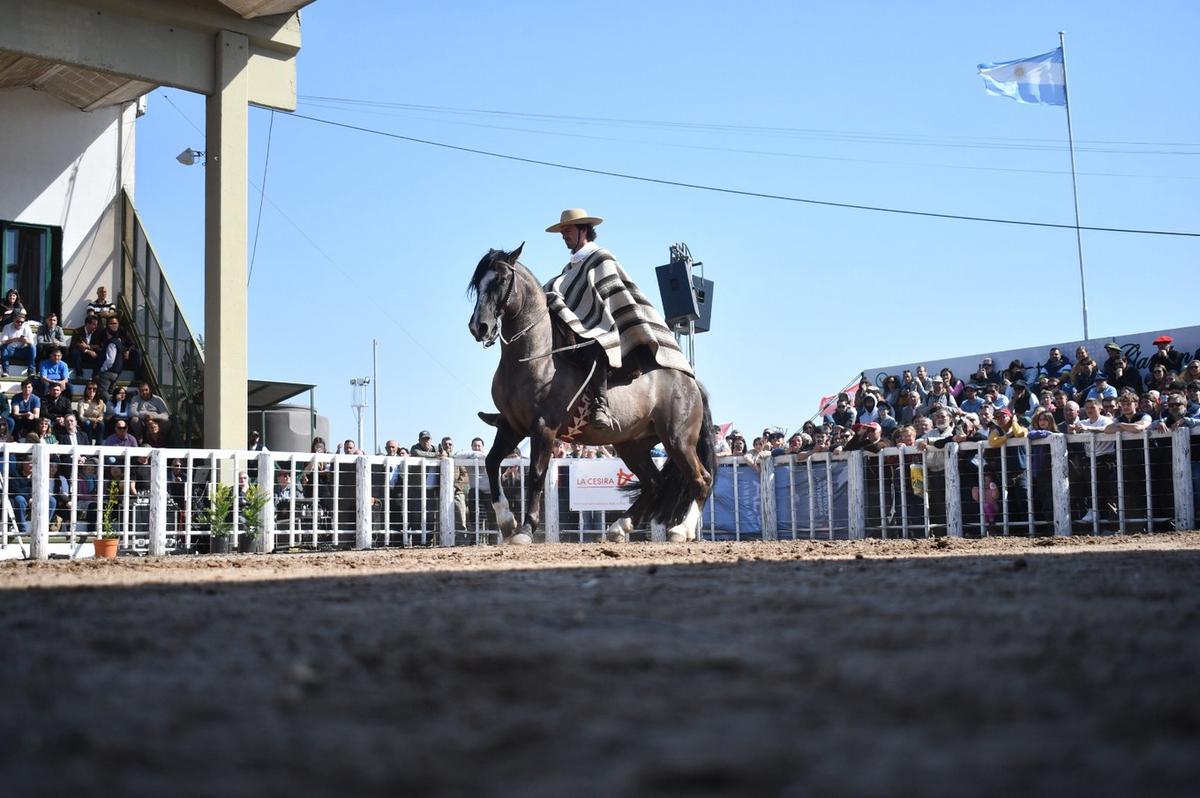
(172, 356)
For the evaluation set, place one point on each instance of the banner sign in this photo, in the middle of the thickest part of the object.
(596, 484)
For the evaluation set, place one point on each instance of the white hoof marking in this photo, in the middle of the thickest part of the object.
(619, 531)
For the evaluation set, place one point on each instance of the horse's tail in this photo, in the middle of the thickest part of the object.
(675, 489)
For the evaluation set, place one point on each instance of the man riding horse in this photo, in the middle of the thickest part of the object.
(598, 301)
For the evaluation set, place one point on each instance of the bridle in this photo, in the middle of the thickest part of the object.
(500, 312)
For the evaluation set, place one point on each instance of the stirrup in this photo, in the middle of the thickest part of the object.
(599, 418)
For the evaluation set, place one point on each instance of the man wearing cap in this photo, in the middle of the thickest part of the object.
(600, 303)
(938, 395)
(1101, 389)
(970, 402)
(1004, 429)
(1113, 350)
(1166, 356)
(16, 340)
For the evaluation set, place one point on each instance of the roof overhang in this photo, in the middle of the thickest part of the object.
(93, 53)
(265, 394)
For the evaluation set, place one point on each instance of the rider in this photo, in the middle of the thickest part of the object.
(595, 298)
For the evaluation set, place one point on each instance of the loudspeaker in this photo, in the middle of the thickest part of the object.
(704, 294)
(679, 302)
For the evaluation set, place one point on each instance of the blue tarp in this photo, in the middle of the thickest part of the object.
(749, 506)
(783, 500)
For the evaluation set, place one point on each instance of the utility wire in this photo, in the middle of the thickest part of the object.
(856, 136)
(262, 195)
(739, 192)
(748, 151)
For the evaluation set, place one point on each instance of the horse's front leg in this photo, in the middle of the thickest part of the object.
(506, 439)
(540, 445)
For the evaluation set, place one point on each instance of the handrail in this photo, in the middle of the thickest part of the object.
(166, 367)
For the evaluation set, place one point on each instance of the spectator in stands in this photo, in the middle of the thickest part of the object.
(1191, 373)
(867, 437)
(1113, 355)
(775, 444)
(45, 431)
(318, 475)
(53, 371)
(1024, 404)
(887, 422)
(20, 493)
(17, 341)
(1101, 389)
(462, 481)
(869, 412)
(1108, 406)
(1083, 375)
(1148, 403)
(720, 445)
(891, 392)
(1125, 377)
(954, 385)
(9, 307)
(55, 407)
(100, 306)
(152, 434)
(922, 382)
(922, 425)
(995, 397)
(1016, 371)
(120, 435)
(1070, 417)
(424, 446)
(1192, 391)
(1160, 379)
(129, 353)
(26, 409)
(90, 410)
(1004, 429)
(10, 423)
(938, 396)
(254, 442)
(118, 408)
(145, 406)
(843, 414)
(970, 402)
(1132, 421)
(1167, 356)
(87, 349)
(911, 409)
(111, 365)
(1042, 426)
(50, 336)
(932, 441)
(796, 443)
(1056, 365)
(733, 438)
(1176, 415)
(71, 435)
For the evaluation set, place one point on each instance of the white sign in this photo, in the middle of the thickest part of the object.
(596, 484)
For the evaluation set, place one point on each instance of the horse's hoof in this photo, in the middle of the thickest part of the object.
(520, 539)
(619, 531)
(677, 534)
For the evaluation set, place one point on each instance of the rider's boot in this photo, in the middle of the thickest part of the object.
(598, 416)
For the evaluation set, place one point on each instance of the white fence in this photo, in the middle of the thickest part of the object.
(1060, 485)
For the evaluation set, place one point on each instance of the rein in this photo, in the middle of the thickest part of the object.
(506, 341)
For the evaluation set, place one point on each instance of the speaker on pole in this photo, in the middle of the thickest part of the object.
(703, 291)
(679, 301)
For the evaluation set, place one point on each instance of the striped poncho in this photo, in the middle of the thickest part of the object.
(598, 301)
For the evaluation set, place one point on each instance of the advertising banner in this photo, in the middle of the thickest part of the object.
(596, 485)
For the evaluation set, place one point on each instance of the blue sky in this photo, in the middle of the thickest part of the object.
(364, 236)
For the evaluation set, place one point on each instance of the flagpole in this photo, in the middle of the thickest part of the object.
(1062, 44)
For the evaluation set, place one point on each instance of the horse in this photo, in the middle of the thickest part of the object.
(536, 386)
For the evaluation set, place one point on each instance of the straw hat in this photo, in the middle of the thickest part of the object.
(573, 216)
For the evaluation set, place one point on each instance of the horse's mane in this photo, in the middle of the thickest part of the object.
(487, 263)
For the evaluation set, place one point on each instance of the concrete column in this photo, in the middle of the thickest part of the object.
(225, 238)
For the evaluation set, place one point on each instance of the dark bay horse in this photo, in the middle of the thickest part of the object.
(535, 390)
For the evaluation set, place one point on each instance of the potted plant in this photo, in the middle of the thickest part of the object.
(219, 517)
(106, 542)
(253, 502)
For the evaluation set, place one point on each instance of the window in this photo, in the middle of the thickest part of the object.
(32, 261)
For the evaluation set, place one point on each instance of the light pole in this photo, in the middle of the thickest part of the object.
(358, 403)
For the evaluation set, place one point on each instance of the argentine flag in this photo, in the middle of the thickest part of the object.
(1039, 79)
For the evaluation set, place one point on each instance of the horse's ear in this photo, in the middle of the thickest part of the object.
(516, 253)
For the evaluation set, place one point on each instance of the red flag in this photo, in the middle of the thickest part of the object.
(829, 403)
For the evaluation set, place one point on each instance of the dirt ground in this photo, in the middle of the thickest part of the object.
(998, 667)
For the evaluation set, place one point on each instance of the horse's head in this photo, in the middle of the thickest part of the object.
(492, 285)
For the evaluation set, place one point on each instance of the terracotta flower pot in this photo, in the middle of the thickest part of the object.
(106, 547)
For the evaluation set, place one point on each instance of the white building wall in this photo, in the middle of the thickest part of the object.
(60, 166)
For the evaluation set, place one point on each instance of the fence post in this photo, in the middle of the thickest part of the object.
(266, 522)
(362, 501)
(550, 503)
(954, 524)
(446, 501)
(1060, 485)
(158, 503)
(855, 493)
(766, 499)
(1181, 467)
(39, 513)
